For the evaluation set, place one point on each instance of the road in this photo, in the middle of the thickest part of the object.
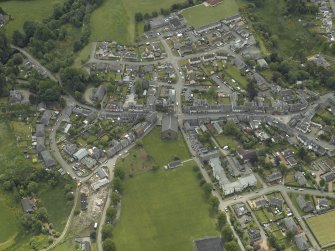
(35, 62)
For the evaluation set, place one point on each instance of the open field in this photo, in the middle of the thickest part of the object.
(164, 151)
(21, 11)
(323, 227)
(9, 220)
(201, 15)
(114, 19)
(53, 199)
(163, 210)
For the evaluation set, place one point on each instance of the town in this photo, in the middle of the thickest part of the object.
(205, 100)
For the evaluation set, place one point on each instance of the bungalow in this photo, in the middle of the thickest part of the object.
(174, 164)
(254, 235)
(195, 60)
(305, 206)
(290, 225)
(276, 203)
(300, 178)
(301, 242)
(247, 155)
(240, 209)
(28, 206)
(274, 177)
(328, 177)
(70, 149)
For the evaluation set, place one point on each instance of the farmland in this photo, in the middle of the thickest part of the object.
(21, 11)
(114, 19)
(323, 227)
(202, 15)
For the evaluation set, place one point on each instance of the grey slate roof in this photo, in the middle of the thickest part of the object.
(169, 122)
(47, 159)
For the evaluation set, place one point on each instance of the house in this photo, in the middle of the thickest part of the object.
(169, 127)
(322, 204)
(99, 93)
(247, 155)
(70, 149)
(209, 244)
(27, 205)
(305, 206)
(254, 235)
(240, 209)
(80, 154)
(301, 242)
(39, 130)
(290, 225)
(102, 173)
(45, 119)
(300, 178)
(15, 96)
(261, 203)
(47, 159)
(83, 201)
(96, 153)
(328, 177)
(40, 144)
(218, 128)
(274, 177)
(276, 203)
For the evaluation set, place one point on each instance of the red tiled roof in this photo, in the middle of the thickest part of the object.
(213, 2)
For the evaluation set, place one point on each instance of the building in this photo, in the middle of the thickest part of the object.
(47, 159)
(305, 206)
(290, 225)
(27, 205)
(240, 209)
(102, 173)
(274, 177)
(300, 178)
(174, 164)
(45, 119)
(80, 154)
(100, 183)
(40, 144)
(254, 235)
(301, 242)
(213, 2)
(169, 127)
(39, 130)
(99, 93)
(247, 155)
(276, 203)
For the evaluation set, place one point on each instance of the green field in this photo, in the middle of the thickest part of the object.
(114, 19)
(9, 220)
(163, 210)
(201, 15)
(53, 199)
(323, 227)
(164, 152)
(21, 11)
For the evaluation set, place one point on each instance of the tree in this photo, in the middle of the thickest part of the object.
(115, 198)
(221, 220)
(251, 90)
(214, 203)
(17, 59)
(207, 187)
(119, 172)
(227, 234)
(108, 245)
(117, 184)
(111, 214)
(231, 246)
(107, 231)
(18, 39)
(32, 187)
(93, 235)
(42, 214)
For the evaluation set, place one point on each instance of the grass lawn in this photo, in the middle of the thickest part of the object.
(163, 210)
(115, 19)
(224, 140)
(53, 199)
(323, 227)
(201, 15)
(163, 151)
(21, 11)
(235, 74)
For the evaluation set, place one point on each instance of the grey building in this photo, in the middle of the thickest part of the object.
(47, 159)
(305, 206)
(169, 127)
